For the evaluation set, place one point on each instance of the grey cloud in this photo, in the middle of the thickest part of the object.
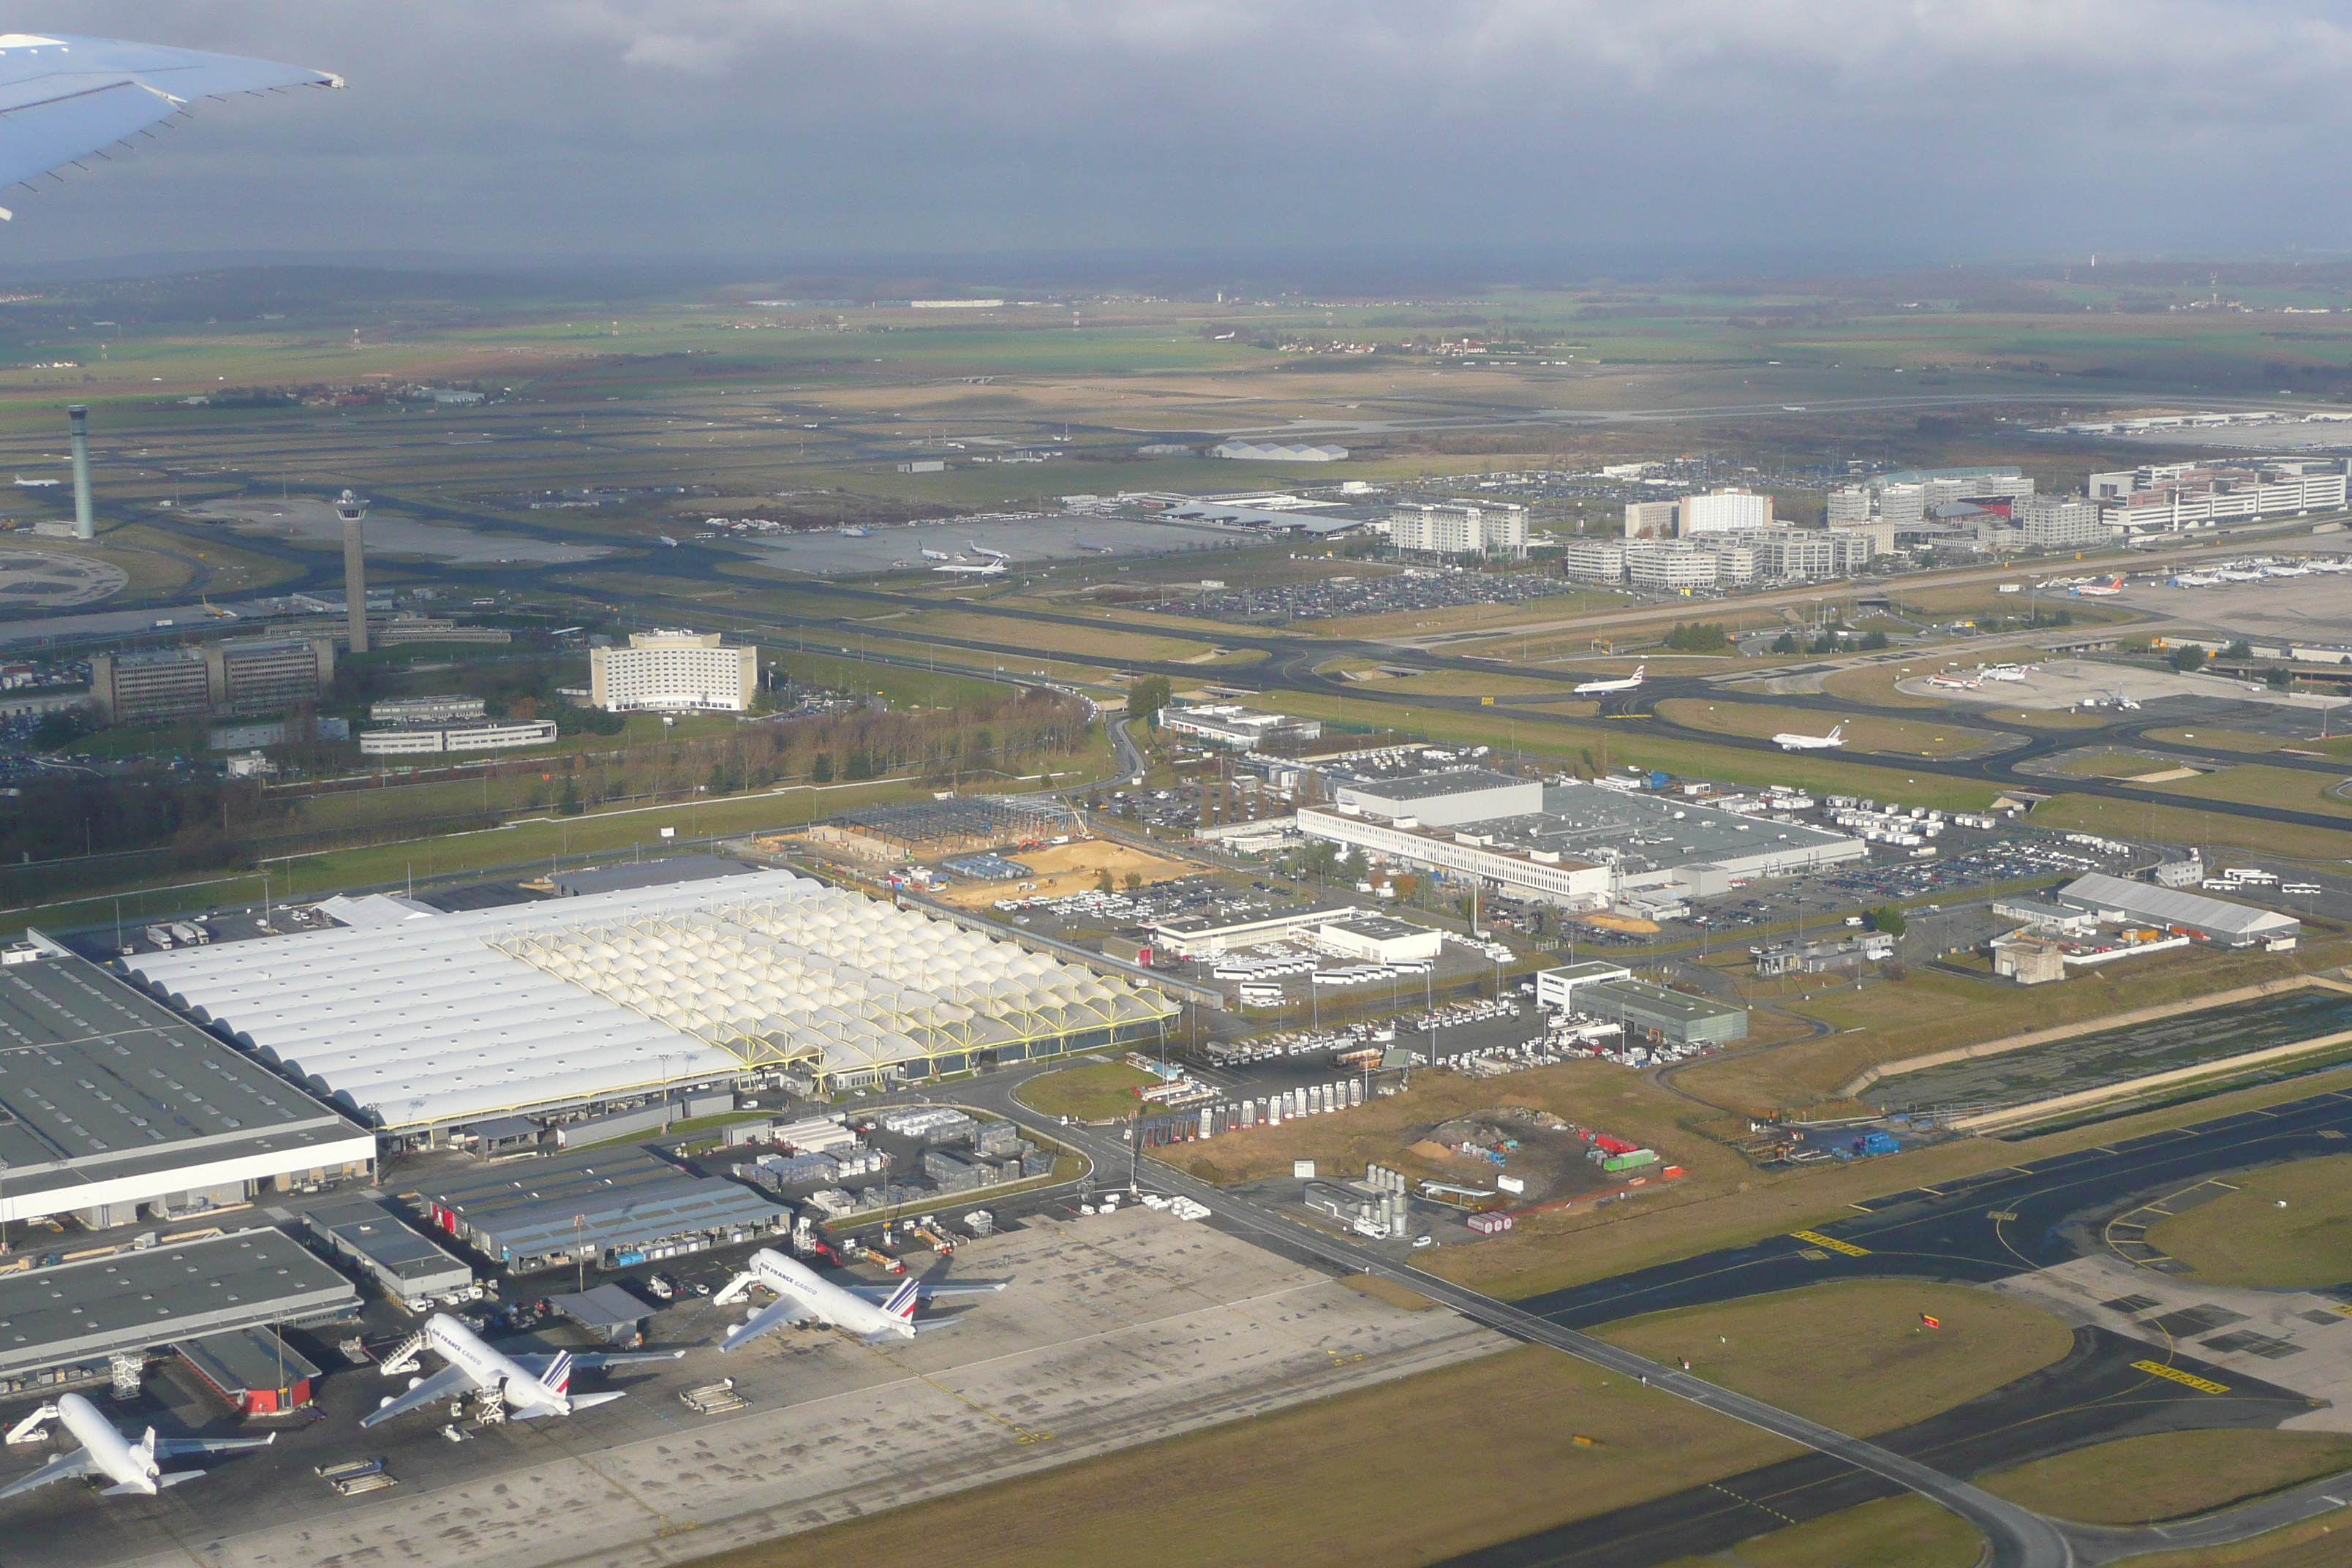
(777, 128)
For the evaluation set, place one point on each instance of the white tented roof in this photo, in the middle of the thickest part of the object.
(2172, 906)
(423, 1022)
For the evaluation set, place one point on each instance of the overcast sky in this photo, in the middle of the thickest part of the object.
(1847, 130)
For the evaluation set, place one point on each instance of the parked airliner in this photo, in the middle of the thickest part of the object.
(875, 1312)
(533, 1386)
(133, 1467)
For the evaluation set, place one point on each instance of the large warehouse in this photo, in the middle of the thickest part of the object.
(2216, 920)
(423, 1022)
(1574, 843)
(110, 1105)
(81, 1313)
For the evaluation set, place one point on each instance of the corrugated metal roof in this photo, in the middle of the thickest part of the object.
(2175, 906)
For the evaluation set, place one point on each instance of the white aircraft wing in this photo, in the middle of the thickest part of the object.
(776, 1314)
(65, 1467)
(589, 1361)
(64, 97)
(878, 1294)
(173, 1447)
(451, 1379)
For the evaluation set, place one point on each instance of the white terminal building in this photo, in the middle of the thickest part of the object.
(676, 671)
(1577, 844)
(1242, 729)
(480, 735)
(418, 1022)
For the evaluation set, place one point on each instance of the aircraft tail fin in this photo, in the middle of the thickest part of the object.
(1836, 731)
(901, 1304)
(558, 1375)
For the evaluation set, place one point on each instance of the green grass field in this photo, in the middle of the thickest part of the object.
(1094, 1091)
(2249, 1238)
(2295, 789)
(1892, 737)
(2170, 1475)
(1855, 1354)
(2205, 829)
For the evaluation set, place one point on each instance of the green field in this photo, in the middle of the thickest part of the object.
(1892, 737)
(1094, 1091)
(1856, 1355)
(2286, 1226)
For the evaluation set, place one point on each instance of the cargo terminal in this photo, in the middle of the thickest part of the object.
(82, 1313)
(112, 1108)
(422, 1025)
(1578, 845)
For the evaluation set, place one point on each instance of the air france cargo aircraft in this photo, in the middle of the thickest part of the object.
(133, 1467)
(1789, 741)
(533, 1387)
(1596, 687)
(876, 1313)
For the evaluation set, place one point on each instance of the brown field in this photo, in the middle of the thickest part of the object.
(1072, 869)
(2206, 829)
(2170, 1475)
(1332, 1484)
(1928, 1010)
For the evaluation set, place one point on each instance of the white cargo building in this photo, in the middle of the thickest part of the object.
(1572, 844)
(427, 1022)
(2216, 920)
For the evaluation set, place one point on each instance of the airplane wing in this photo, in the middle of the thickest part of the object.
(63, 98)
(878, 1294)
(449, 1379)
(173, 1447)
(589, 1361)
(784, 1310)
(65, 1467)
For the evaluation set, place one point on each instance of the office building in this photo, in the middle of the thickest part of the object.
(434, 710)
(1593, 560)
(1737, 562)
(1239, 729)
(1669, 566)
(1850, 505)
(2162, 498)
(268, 674)
(673, 671)
(250, 674)
(2058, 522)
(482, 735)
(170, 683)
(1454, 530)
(1652, 518)
(1722, 509)
(1812, 554)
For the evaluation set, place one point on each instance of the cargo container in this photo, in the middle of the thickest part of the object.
(1631, 1160)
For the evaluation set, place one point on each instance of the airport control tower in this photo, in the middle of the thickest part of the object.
(353, 511)
(78, 426)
